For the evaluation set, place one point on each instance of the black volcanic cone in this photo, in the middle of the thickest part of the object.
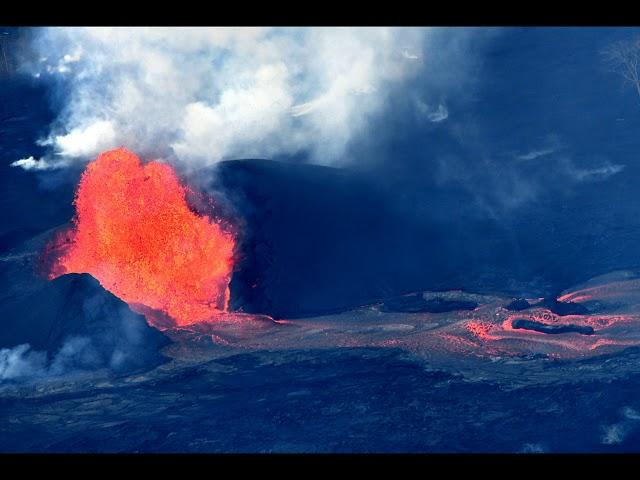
(319, 239)
(44, 314)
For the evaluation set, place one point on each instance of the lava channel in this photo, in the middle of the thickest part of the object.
(135, 233)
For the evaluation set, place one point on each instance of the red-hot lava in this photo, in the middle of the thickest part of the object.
(134, 232)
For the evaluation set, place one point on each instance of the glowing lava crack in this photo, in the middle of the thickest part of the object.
(134, 232)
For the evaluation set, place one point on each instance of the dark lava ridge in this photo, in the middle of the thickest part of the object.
(522, 323)
(417, 304)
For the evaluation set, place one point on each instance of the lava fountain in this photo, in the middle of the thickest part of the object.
(135, 233)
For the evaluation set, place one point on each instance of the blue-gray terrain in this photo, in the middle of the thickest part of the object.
(532, 193)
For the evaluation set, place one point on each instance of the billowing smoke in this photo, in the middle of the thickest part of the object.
(22, 362)
(118, 347)
(195, 96)
(202, 95)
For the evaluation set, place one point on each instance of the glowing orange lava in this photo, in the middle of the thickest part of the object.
(480, 329)
(134, 232)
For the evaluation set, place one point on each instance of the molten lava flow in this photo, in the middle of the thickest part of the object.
(135, 233)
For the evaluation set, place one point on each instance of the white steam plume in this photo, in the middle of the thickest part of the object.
(200, 95)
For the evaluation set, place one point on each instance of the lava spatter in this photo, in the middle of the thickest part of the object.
(134, 232)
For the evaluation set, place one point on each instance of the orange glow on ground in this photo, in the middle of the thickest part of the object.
(134, 232)
(480, 329)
